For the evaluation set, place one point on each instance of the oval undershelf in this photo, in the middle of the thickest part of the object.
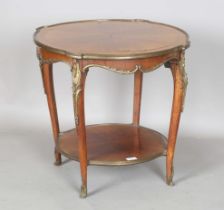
(114, 144)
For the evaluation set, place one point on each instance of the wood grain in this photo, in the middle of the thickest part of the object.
(137, 97)
(47, 75)
(111, 38)
(175, 119)
(122, 46)
(111, 144)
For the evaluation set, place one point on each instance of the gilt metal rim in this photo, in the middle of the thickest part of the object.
(111, 56)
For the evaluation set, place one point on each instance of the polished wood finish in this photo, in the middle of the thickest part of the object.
(114, 144)
(120, 38)
(129, 66)
(175, 119)
(81, 133)
(137, 97)
(49, 90)
(122, 46)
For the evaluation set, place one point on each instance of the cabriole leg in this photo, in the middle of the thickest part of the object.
(47, 75)
(180, 84)
(78, 99)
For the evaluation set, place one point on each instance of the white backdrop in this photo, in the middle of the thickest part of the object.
(23, 106)
(20, 83)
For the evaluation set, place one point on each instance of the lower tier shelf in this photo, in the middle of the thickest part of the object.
(114, 144)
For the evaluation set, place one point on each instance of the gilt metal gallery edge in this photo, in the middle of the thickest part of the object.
(115, 56)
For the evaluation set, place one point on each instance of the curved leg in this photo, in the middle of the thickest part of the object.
(180, 83)
(137, 97)
(47, 76)
(78, 99)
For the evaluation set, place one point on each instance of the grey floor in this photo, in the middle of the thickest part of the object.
(29, 180)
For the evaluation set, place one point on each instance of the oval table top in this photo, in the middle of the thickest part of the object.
(111, 39)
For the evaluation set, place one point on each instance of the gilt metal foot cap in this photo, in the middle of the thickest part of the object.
(171, 183)
(57, 162)
(83, 192)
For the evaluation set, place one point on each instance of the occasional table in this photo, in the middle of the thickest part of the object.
(125, 47)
